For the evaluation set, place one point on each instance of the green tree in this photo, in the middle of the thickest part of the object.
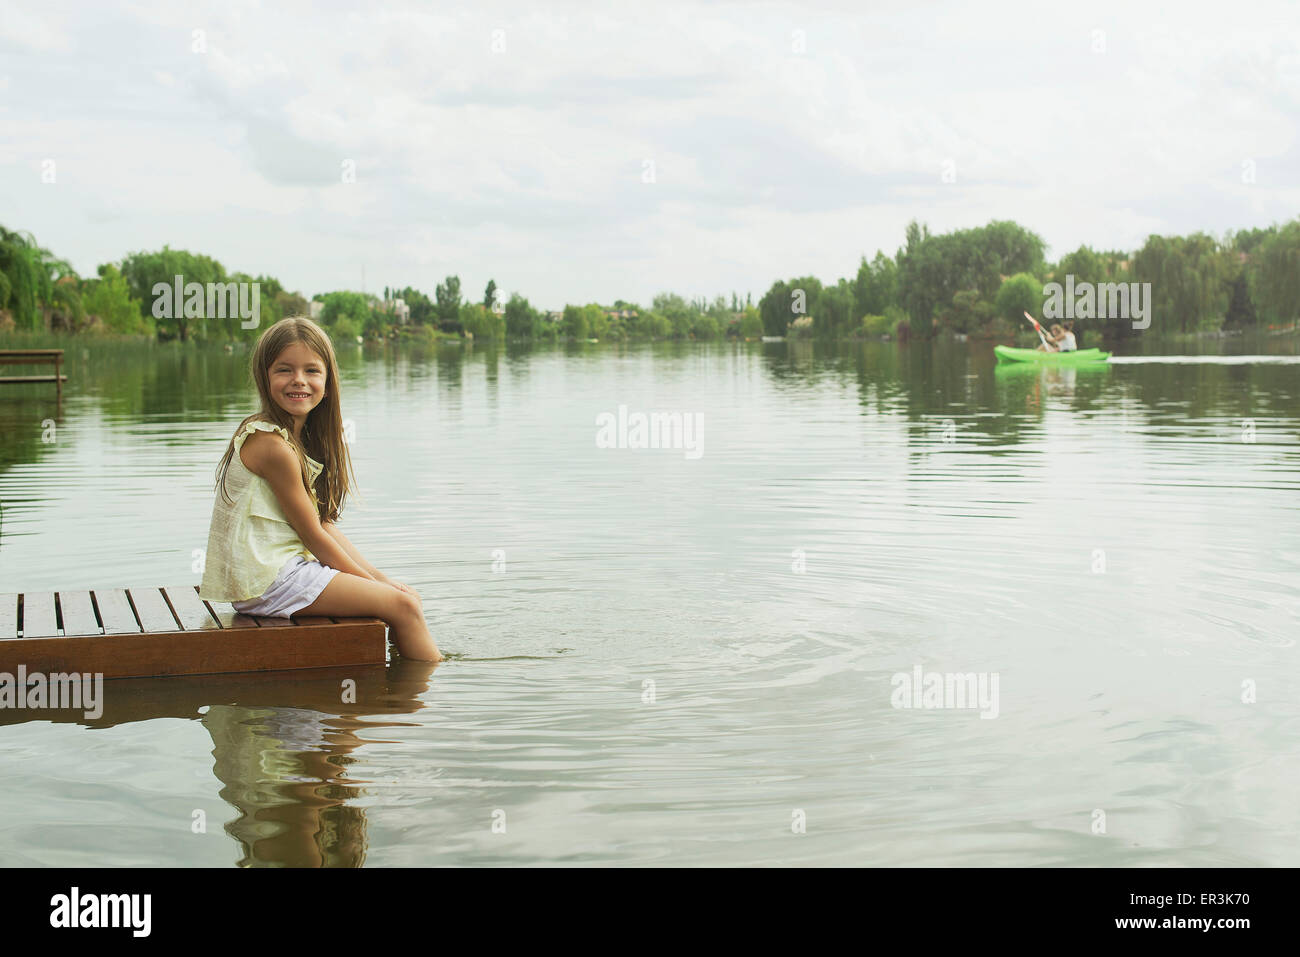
(787, 301)
(679, 314)
(1019, 294)
(654, 325)
(1241, 308)
(67, 312)
(1248, 240)
(933, 269)
(143, 271)
(574, 323)
(481, 322)
(520, 318)
(596, 320)
(1190, 281)
(1273, 275)
(350, 307)
(109, 298)
(447, 295)
(423, 310)
(876, 287)
(705, 326)
(1083, 264)
(968, 312)
(834, 315)
(26, 277)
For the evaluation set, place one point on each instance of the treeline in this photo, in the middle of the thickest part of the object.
(40, 291)
(494, 317)
(975, 281)
(980, 281)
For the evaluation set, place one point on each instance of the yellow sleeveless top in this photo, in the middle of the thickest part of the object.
(249, 541)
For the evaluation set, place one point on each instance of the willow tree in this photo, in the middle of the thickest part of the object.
(143, 271)
(1273, 275)
(1190, 281)
(787, 301)
(933, 269)
(28, 279)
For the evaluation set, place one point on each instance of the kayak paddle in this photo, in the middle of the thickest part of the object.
(1039, 330)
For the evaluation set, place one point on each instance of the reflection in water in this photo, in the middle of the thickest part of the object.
(282, 744)
(672, 654)
(286, 768)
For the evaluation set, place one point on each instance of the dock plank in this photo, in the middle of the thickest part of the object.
(78, 613)
(189, 608)
(8, 616)
(20, 356)
(38, 615)
(115, 611)
(152, 610)
(225, 613)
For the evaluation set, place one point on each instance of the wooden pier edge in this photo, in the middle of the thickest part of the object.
(34, 357)
(161, 632)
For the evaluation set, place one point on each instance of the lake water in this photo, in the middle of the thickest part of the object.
(663, 658)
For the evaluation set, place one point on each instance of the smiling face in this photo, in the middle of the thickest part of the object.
(297, 379)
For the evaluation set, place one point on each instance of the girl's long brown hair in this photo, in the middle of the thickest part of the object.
(322, 435)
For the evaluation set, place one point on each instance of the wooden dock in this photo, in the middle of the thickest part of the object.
(33, 357)
(146, 632)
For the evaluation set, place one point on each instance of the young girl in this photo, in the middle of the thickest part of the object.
(273, 548)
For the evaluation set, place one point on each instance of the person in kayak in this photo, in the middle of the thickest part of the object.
(1052, 342)
(1066, 342)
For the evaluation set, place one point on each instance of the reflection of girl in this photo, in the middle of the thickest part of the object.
(273, 548)
(281, 768)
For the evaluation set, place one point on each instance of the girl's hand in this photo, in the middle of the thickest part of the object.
(400, 587)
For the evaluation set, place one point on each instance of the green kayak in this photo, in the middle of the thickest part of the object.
(1009, 354)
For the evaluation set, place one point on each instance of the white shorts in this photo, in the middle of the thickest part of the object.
(299, 583)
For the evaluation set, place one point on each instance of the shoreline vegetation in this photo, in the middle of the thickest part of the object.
(972, 283)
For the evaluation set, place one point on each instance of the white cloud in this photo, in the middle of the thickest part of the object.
(30, 30)
(525, 165)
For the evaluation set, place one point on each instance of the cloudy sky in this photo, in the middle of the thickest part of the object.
(589, 152)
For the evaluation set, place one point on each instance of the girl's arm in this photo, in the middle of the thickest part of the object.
(351, 549)
(273, 460)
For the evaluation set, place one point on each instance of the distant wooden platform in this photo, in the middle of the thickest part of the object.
(145, 632)
(23, 357)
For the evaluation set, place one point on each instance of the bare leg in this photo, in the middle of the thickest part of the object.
(352, 596)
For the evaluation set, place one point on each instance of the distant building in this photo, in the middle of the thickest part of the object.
(554, 316)
(398, 309)
(621, 313)
(317, 307)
